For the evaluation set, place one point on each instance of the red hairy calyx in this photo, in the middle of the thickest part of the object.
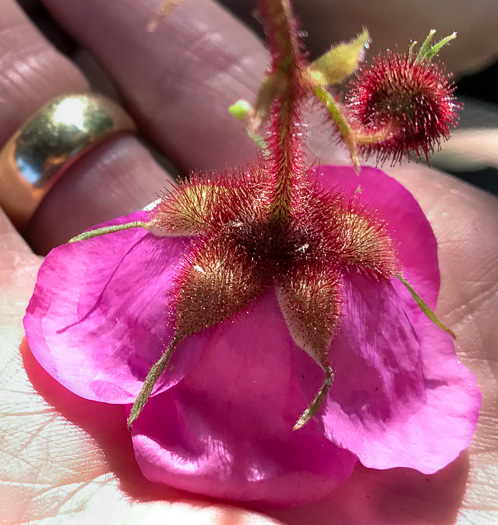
(408, 101)
(240, 250)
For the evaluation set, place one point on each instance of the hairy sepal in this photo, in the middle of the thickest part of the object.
(353, 235)
(367, 246)
(216, 282)
(310, 298)
(205, 202)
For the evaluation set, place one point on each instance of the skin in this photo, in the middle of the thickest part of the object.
(394, 23)
(65, 458)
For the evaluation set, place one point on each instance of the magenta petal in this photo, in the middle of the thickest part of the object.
(226, 429)
(406, 223)
(99, 318)
(400, 397)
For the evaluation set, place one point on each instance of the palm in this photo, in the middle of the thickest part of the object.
(68, 458)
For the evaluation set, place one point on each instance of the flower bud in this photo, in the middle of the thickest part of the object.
(408, 103)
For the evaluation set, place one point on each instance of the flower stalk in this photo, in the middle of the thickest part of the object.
(285, 159)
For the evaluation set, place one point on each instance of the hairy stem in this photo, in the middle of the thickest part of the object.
(288, 62)
(340, 120)
(286, 157)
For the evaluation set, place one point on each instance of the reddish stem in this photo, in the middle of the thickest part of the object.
(284, 144)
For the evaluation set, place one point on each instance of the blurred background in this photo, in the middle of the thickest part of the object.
(472, 152)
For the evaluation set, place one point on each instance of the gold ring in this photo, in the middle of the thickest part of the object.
(50, 141)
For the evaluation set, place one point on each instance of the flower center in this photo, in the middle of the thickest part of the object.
(272, 247)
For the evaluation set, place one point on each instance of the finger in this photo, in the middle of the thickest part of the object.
(16, 260)
(31, 71)
(394, 23)
(180, 80)
(464, 219)
(115, 178)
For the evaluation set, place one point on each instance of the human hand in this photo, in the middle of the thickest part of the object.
(70, 459)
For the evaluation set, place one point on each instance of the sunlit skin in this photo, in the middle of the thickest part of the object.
(98, 461)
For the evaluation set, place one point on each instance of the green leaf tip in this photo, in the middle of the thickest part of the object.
(317, 402)
(106, 230)
(427, 50)
(151, 379)
(340, 61)
(425, 308)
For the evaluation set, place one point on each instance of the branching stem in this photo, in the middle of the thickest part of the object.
(340, 120)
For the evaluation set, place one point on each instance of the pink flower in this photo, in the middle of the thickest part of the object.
(220, 419)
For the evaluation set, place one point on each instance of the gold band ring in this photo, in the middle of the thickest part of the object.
(39, 151)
